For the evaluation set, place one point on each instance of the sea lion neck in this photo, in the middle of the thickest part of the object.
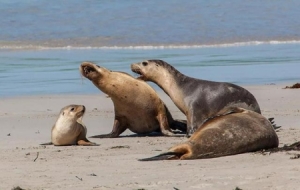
(169, 79)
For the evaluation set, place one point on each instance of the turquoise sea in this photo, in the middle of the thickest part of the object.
(42, 43)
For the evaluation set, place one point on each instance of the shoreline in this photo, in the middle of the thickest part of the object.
(78, 44)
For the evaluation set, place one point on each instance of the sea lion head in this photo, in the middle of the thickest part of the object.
(92, 71)
(72, 112)
(149, 70)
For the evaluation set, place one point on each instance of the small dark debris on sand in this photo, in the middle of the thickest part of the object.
(294, 146)
(17, 188)
(78, 178)
(297, 85)
(296, 156)
(114, 147)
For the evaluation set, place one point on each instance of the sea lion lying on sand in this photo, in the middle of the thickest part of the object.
(137, 106)
(232, 131)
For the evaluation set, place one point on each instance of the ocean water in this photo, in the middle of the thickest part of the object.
(42, 43)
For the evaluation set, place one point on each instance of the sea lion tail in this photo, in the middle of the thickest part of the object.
(273, 123)
(163, 156)
(48, 143)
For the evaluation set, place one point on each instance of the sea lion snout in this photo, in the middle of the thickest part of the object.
(81, 109)
(135, 67)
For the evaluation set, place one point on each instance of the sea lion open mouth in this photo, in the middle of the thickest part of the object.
(87, 70)
(137, 71)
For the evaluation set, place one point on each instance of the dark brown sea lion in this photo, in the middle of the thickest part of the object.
(232, 131)
(197, 99)
(69, 129)
(137, 106)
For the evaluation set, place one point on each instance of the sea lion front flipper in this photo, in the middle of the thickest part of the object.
(81, 139)
(118, 128)
(48, 143)
(164, 125)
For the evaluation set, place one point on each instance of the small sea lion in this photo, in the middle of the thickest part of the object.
(197, 99)
(137, 106)
(232, 131)
(69, 129)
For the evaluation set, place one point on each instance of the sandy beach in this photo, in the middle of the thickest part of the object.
(26, 122)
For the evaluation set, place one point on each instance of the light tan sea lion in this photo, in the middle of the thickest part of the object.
(232, 131)
(69, 129)
(137, 106)
(197, 99)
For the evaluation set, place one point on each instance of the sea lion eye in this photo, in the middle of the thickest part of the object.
(72, 109)
(145, 63)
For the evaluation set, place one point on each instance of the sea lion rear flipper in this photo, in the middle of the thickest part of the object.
(180, 125)
(163, 156)
(273, 123)
(48, 143)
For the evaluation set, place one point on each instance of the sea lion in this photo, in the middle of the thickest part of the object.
(232, 131)
(137, 106)
(197, 99)
(69, 129)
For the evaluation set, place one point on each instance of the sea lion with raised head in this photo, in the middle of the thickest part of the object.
(69, 129)
(137, 106)
(197, 99)
(232, 131)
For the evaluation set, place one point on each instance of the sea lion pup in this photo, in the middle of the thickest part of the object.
(137, 106)
(197, 99)
(232, 131)
(69, 129)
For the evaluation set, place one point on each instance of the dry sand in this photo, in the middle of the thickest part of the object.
(27, 121)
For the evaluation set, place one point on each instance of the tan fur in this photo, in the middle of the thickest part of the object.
(232, 131)
(137, 106)
(69, 129)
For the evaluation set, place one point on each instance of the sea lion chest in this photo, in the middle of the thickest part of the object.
(65, 131)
